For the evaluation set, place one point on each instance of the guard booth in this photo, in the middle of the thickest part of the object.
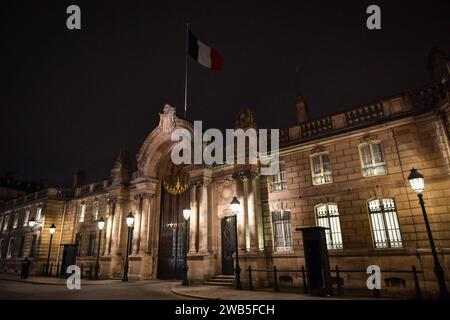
(316, 260)
(69, 257)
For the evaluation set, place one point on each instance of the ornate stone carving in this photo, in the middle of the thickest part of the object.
(245, 119)
(167, 119)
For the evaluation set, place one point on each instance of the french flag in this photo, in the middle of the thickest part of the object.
(203, 54)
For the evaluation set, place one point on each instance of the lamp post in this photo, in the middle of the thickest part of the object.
(52, 231)
(418, 185)
(187, 216)
(32, 222)
(100, 225)
(130, 222)
(235, 208)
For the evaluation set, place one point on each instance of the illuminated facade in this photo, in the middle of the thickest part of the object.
(347, 172)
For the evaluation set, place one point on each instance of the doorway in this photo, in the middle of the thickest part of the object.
(171, 236)
(228, 244)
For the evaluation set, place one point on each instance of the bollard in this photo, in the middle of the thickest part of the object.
(305, 284)
(250, 280)
(275, 279)
(338, 279)
(416, 283)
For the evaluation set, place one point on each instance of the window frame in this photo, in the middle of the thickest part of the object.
(16, 220)
(285, 223)
(363, 166)
(332, 244)
(385, 229)
(26, 217)
(10, 249)
(311, 163)
(82, 213)
(282, 183)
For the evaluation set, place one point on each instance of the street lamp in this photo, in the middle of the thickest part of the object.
(100, 225)
(32, 222)
(418, 185)
(52, 231)
(235, 208)
(187, 216)
(130, 222)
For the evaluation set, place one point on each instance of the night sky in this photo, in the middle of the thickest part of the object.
(71, 99)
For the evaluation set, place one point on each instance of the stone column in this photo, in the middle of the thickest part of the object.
(117, 229)
(240, 216)
(145, 211)
(153, 225)
(203, 218)
(245, 207)
(193, 224)
(109, 228)
(136, 210)
(252, 221)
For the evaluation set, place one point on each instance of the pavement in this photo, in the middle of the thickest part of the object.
(11, 287)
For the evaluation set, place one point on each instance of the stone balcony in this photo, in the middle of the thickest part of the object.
(409, 103)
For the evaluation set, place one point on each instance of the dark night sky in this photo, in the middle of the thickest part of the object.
(71, 99)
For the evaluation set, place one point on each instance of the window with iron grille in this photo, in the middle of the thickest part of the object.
(78, 243)
(10, 248)
(321, 168)
(327, 215)
(279, 179)
(372, 159)
(95, 210)
(33, 246)
(91, 245)
(385, 227)
(282, 230)
(21, 245)
(26, 218)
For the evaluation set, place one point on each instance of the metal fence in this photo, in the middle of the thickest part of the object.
(338, 280)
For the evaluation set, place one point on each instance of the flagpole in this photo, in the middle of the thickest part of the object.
(186, 71)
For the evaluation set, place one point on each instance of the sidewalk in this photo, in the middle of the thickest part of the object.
(53, 280)
(228, 293)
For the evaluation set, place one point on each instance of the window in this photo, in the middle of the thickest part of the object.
(1, 248)
(10, 248)
(82, 212)
(327, 215)
(1, 222)
(372, 159)
(95, 210)
(22, 243)
(38, 214)
(321, 169)
(91, 246)
(33, 246)
(78, 243)
(282, 230)
(16, 220)
(385, 228)
(5, 223)
(26, 218)
(279, 179)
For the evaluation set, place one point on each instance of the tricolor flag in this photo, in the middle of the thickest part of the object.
(203, 54)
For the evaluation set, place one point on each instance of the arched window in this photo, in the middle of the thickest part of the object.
(327, 215)
(321, 168)
(372, 159)
(95, 210)
(282, 230)
(385, 228)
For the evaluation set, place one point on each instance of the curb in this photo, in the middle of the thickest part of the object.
(190, 295)
(50, 283)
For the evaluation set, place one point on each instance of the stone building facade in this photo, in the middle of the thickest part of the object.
(347, 171)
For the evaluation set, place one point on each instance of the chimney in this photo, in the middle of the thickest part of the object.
(79, 178)
(302, 109)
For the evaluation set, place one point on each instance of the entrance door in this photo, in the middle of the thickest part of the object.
(171, 237)
(69, 258)
(228, 244)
